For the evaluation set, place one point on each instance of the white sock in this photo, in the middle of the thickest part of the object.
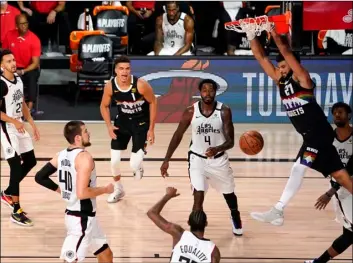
(293, 184)
(118, 184)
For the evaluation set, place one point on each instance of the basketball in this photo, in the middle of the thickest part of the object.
(251, 142)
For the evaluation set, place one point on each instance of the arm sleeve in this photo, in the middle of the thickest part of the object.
(42, 177)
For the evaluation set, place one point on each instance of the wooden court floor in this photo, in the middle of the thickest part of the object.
(305, 234)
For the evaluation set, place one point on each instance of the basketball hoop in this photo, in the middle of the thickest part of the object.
(262, 23)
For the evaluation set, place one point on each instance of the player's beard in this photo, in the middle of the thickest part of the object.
(340, 124)
(86, 144)
(207, 101)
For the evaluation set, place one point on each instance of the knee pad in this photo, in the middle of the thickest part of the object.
(136, 160)
(15, 175)
(115, 156)
(342, 243)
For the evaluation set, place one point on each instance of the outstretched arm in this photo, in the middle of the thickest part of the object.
(189, 36)
(299, 71)
(179, 133)
(154, 214)
(263, 60)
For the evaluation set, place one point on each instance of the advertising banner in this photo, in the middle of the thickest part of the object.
(244, 86)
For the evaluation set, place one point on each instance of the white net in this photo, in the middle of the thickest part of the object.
(251, 26)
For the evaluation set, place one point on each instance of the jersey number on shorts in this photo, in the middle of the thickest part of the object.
(208, 139)
(18, 107)
(186, 260)
(67, 180)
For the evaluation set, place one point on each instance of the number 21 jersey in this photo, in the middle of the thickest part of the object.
(67, 177)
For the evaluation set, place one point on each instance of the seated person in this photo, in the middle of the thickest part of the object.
(174, 32)
(48, 14)
(7, 19)
(26, 49)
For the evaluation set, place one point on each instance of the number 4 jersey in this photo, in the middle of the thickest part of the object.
(191, 249)
(206, 131)
(67, 177)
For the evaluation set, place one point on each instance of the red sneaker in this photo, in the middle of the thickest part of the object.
(6, 199)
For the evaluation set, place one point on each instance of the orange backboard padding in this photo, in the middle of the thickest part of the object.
(76, 36)
(75, 64)
(101, 8)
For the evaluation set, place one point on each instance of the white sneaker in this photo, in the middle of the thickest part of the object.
(309, 261)
(138, 174)
(237, 230)
(116, 195)
(274, 216)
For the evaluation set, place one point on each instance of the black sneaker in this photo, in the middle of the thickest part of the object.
(20, 218)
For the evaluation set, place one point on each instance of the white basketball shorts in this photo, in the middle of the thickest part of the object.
(83, 235)
(13, 141)
(343, 208)
(214, 171)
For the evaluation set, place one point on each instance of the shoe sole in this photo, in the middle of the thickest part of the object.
(6, 203)
(19, 223)
(117, 200)
(276, 222)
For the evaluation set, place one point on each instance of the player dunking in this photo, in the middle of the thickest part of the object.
(188, 246)
(15, 140)
(342, 199)
(77, 178)
(136, 116)
(297, 93)
(212, 136)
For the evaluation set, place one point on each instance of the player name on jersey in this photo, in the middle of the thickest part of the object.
(187, 249)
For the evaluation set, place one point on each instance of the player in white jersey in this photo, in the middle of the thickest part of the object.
(76, 175)
(188, 246)
(16, 142)
(174, 32)
(343, 199)
(212, 136)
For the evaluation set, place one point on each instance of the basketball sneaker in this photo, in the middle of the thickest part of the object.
(118, 194)
(237, 227)
(274, 216)
(20, 218)
(309, 261)
(139, 174)
(6, 199)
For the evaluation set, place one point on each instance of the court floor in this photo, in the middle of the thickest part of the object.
(305, 234)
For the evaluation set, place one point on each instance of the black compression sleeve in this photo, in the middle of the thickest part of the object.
(42, 177)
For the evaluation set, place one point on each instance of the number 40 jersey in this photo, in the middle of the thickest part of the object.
(67, 177)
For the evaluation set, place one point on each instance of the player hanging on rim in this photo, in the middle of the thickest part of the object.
(342, 199)
(135, 118)
(212, 136)
(188, 246)
(297, 93)
(16, 142)
(77, 178)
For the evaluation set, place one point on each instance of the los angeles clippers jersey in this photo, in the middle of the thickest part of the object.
(174, 34)
(12, 101)
(206, 131)
(192, 249)
(131, 104)
(67, 177)
(344, 148)
(303, 110)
